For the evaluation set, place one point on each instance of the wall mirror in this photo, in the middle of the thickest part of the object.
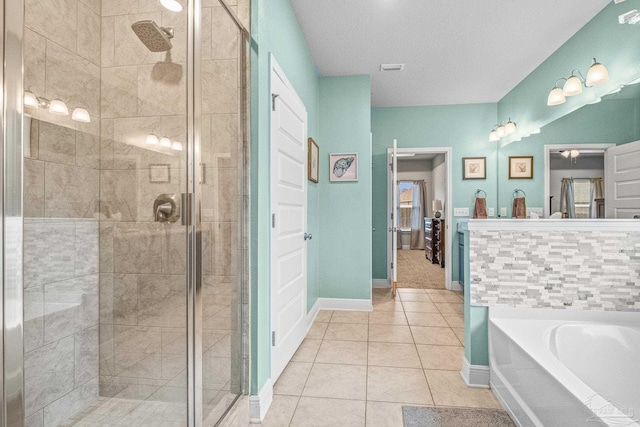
(611, 120)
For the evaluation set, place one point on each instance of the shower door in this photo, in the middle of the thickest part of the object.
(124, 209)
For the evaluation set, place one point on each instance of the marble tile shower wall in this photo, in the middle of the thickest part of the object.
(61, 198)
(568, 270)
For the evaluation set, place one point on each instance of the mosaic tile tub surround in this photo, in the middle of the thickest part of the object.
(584, 270)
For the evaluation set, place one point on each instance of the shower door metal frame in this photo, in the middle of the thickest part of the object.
(12, 218)
(194, 206)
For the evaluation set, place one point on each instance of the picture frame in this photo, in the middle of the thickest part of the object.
(474, 168)
(520, 167)
(313, 159)
(343, 167)
(159, 173)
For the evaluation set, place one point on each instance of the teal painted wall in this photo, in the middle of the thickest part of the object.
(275, 30)
(462, 127)
(345, 211)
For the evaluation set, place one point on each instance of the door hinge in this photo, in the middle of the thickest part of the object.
(392, 266)
(273, 101)
(273, 338)
(273, 220)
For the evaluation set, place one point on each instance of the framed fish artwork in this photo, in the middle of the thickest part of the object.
(343, 167)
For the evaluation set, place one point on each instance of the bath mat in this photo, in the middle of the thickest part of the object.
(454, 417)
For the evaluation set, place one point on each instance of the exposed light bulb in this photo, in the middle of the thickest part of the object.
(493, 136)
(176, 146)
(30, 100)
(510, 127)
(152, 139)
(502, 132)
(597, 74)
(556, 97)
(172, 5)
(81, 115)
(575, 153)
(165, 142)
(565, 154)
(58, 108)
(573, 86)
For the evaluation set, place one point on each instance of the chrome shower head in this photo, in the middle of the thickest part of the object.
(155, 38)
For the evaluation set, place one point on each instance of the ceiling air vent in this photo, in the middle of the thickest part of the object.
(391, 67)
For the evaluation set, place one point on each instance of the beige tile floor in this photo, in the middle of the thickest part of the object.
(358, 369)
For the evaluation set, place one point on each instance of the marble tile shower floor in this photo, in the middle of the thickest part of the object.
(107, 412)
(359, 369)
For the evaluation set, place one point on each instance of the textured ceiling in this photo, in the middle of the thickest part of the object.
(455, 51)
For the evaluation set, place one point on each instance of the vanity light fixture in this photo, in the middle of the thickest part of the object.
(176, 146)
(152, 139)
(172, 5)
(165, 142)
(510, 127)
(573, 85)
(493, 135)
(597, 74)
(58, 108)
(81, 115)
(502, 131)
(30, 100)
(556, 96)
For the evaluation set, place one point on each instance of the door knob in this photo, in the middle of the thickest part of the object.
(308, 236)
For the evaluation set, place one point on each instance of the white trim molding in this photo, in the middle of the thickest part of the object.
(380, 284)
(476, 376)
(456, 286)
(344, 304)
(259, 405)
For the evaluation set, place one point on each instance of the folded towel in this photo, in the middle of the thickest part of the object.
(519, 208)
(480, 209)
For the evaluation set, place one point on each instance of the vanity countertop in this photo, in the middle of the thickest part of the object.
(505, 224)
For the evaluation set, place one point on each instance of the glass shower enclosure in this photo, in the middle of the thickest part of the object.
(124, 195)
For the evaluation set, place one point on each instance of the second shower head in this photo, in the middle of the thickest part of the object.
(154, 37)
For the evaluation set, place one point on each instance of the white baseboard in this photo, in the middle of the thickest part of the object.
(344, 304)
(380, 283)
(476, 376)
(405, 248)
(455, 286)
(259, 405)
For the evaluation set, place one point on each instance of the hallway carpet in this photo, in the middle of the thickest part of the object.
(415, 271)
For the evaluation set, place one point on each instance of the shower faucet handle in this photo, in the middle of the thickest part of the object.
(166, 208)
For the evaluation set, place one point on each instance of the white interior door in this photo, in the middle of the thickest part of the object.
(394, 219)
(622, 181)
(288, 221)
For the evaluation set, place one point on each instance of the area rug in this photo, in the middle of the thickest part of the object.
(414, 416)
(415, 271)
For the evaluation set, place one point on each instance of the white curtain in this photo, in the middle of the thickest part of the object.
(418, 212)
(567, 203)
(596, 193)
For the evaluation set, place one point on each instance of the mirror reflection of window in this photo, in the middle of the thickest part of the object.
(581, 196)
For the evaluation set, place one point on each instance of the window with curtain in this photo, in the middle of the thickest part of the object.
(582, 197)
(405, 191)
